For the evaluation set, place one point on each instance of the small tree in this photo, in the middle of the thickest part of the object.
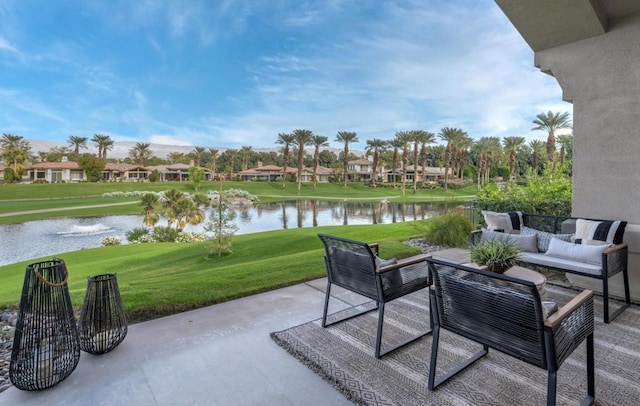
(221, 223)
(92, 166)
(10, 175)
(196, 175)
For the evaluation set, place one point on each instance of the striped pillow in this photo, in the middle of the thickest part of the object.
(509, 222)
(609, 231)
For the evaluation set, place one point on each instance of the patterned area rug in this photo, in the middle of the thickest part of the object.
(343, 355)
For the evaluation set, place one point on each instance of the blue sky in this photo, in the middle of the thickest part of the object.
(230, 73)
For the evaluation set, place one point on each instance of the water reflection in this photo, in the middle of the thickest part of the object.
(19, 242)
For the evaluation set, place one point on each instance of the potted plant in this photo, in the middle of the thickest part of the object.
(497, 255)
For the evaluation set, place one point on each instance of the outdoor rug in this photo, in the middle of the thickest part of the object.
(343, 355)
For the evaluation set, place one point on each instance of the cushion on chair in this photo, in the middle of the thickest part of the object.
(526, 243)
(544, 237)
(609, 231)
(509, 222)
(584, 253)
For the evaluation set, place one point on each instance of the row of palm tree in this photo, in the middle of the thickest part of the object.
(405, 146)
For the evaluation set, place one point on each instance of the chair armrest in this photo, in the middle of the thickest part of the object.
(612, 249)
(404, 262)
(566, 310)
(615, 259)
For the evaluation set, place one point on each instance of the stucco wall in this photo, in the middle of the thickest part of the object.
(601, 75)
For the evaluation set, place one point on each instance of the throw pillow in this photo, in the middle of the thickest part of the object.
(544, 237)
(508, 222)
(609, 231)
(576, 252)
(526, 243)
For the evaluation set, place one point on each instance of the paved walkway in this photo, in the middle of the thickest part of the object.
(218, 355)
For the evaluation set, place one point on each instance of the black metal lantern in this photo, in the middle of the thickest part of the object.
(103, 324)
(46, 347)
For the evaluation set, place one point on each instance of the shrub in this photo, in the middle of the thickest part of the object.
(191, 237)
(451, 229)
(135, 234)
(143, 239)
(165, 234)
(106, 241)
(549, 193)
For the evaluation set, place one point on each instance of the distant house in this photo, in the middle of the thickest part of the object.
(176, 172)
(272, 173)
(265, 173)
(54, 172)
(424, 173)
(360, 170)
(120, 172)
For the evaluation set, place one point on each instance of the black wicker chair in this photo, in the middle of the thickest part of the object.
(355, 266)
(506, 314)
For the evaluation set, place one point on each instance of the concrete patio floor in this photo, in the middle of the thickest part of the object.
(218, 355)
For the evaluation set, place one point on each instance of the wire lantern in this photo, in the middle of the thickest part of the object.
(103, 323)
(46, 346)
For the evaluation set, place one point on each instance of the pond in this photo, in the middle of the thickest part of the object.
(34, 239)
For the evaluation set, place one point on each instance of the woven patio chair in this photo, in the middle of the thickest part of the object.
(355, 266)
(506, 314)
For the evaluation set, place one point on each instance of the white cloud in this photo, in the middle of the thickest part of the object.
(168, 140)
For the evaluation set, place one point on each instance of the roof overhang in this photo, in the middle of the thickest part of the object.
(547, 24)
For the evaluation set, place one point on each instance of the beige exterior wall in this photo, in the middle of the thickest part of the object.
(601, 75)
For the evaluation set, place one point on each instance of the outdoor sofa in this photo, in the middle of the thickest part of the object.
(587, 247)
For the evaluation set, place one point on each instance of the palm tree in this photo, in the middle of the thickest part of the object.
(172, 205)
(450, 135)
(77, 143)
(301, 138)
(566, 147)
(140, 153)
(551, 122)
(395, 144)
(346, 138)
(538, 148)
(104, 144)
(404, 138)
(286, 140)
(197, 155)
(486, 148)
(317, 141)
(244, 152)
(426, 139)
(148, 201)
(461, 153)
(375, 147)
(15, 151)
(513, 144)
(214, 157)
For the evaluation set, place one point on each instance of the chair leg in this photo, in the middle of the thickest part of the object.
(605, 298)
(326, 304)
(326, 310)
(434, 357)
(379, 352)
(552, 379)
(591, 386)
(379, 333)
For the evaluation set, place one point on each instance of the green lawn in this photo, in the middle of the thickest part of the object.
(161, 279)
